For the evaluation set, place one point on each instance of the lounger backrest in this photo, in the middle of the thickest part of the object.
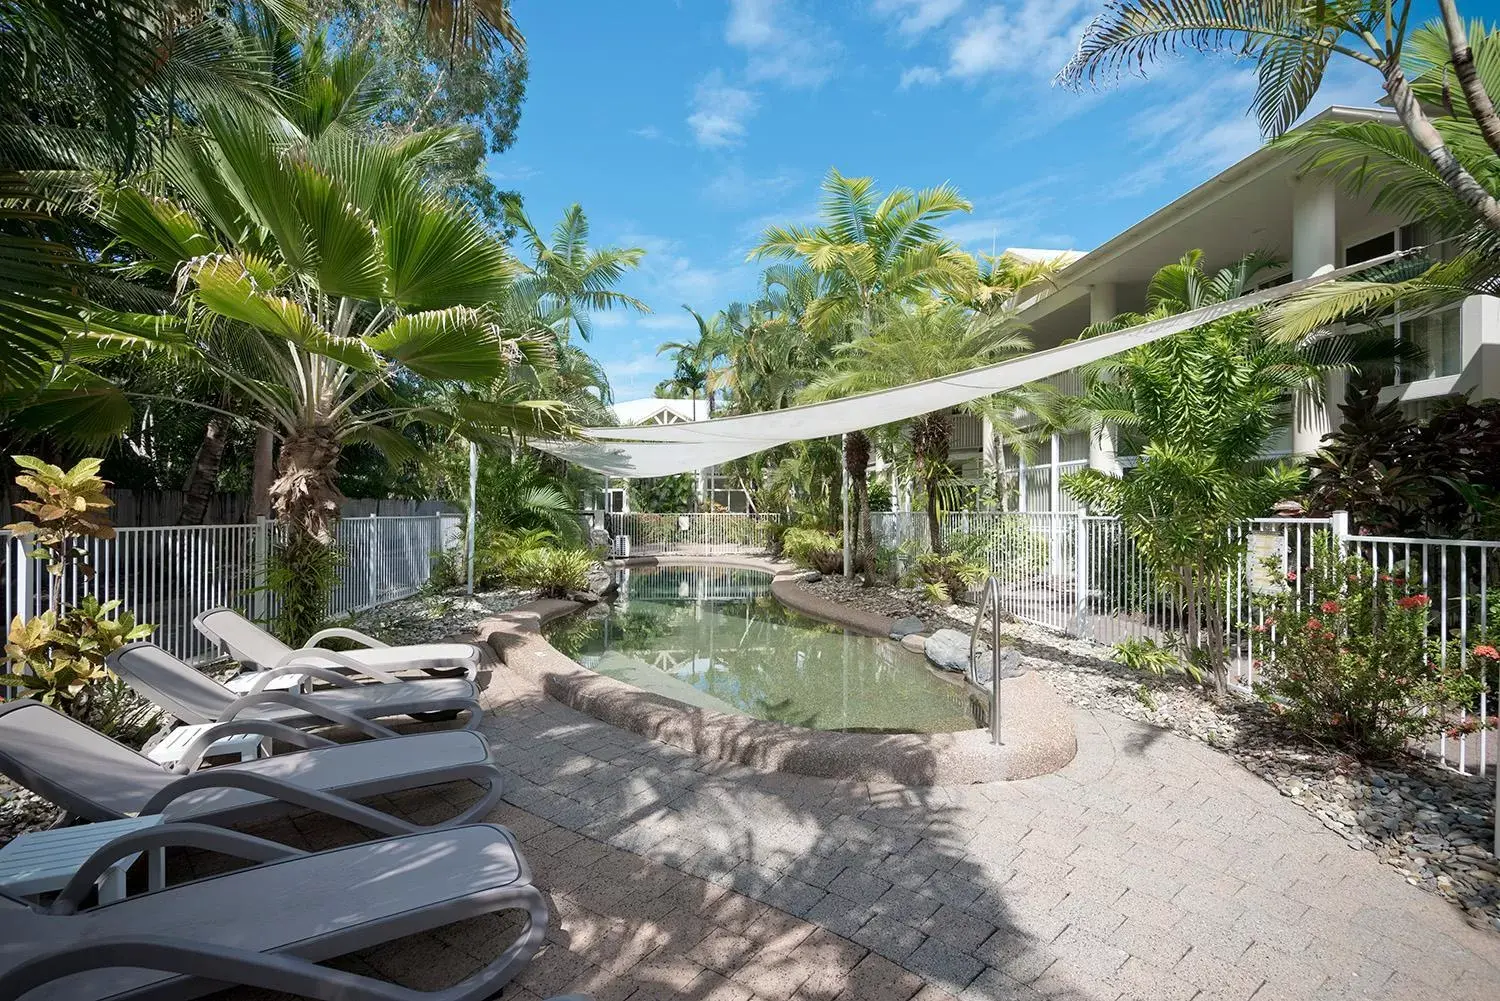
(73, 766)
(180, 689)
(243, 639)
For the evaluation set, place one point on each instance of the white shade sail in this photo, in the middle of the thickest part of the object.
(665, 449)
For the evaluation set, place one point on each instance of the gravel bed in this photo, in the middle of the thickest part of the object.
(1433, 825)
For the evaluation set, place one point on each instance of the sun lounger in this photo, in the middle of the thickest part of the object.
(248, 643)
(95, 778)
(271, 925)
(194, 697)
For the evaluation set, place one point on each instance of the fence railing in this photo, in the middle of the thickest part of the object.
(1084, 576)
(166, 576)
(689, 534)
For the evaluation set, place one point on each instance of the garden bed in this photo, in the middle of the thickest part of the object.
(1431, 824)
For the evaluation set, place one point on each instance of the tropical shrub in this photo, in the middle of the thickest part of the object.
(67, 506)
(58, 659)
(554, 572)
(1356, 667)
(945, 577)
(496, 557)
(814, 549)
(301, 575)
(664, 494)
(1147, 656)
(880, 496)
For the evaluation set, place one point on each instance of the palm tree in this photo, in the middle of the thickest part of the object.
(929, 342)
(568, 279)
(1198, 408)
(695, 362)
(1293, 42)
(316, 279)
(873, 253)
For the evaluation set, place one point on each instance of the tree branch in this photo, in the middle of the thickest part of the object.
(1480, 105)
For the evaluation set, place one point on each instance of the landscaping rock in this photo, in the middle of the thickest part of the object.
(949, 650)
(906, 625)
(584, 597)
(1010, 667)
(598, 579)
(915, 642)
(609, 591)
(812, 577)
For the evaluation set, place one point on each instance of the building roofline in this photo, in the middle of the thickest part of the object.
(1072, 281)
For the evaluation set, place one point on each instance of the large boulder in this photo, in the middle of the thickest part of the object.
(907, 625)
(949, 650)
(599, 538)
(1010, 667)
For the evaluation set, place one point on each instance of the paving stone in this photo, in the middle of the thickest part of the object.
(888, 938)
(940, 963)
(959, 929)
(859, 886)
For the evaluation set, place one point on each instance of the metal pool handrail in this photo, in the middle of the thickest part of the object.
(989, 599)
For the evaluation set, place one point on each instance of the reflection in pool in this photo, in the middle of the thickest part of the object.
(714, 637)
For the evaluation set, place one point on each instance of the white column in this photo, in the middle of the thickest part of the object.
(1102, 306)
(989, 462)
(1314, 248)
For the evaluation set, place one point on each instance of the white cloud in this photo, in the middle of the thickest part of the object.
(917, 17)
(734, 187)
(920, 76)
(1035, 36)
(647, 132)
(720, 111)
(782, 44)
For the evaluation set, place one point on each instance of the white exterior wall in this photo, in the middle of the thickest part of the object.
(1102, 453)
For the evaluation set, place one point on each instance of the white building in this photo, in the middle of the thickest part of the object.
(1260, 203)
(714, 492)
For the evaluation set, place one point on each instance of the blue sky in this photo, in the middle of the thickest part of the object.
(688, 126)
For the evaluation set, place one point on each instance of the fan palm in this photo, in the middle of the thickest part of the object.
(930, 342)
(1292, 43)
(873, 253)
(315, 277)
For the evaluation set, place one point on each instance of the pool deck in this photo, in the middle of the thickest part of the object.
(1037, 725)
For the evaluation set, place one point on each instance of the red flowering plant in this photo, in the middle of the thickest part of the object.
(1354, 665)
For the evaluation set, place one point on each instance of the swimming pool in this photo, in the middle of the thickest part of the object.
(715, 638)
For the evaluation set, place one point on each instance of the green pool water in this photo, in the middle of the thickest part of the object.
(715, 638)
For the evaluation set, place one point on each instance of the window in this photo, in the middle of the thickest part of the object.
(1437, 334)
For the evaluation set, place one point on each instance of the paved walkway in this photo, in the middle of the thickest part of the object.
(1151, 868)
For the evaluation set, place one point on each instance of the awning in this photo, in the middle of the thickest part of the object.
(665, 449)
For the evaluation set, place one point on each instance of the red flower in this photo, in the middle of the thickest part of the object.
(1487, 651)
(1291, 576)
(1331, 607)
(1385, 578)
(1327, 636)
(1313, 625)
(1414, 601)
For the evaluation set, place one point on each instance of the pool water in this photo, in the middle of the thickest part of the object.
(715, 638)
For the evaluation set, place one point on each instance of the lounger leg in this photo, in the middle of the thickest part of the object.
(484, 984)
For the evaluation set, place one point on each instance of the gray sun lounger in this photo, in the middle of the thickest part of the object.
(270, 925)
(194, 697)
(95, 778)
(248, 643)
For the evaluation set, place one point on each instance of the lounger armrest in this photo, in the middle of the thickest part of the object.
(302, 661)
(187, 835)
(308, 705)
(230, 777)
(192, 756)
(264, 678)
(270, 971)
(342, 633)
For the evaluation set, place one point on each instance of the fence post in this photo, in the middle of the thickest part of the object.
(1081, 578)
(374, 558)
(260, 601)
(1338, 523)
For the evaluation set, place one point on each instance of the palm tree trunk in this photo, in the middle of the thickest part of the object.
(1480, 104)
(1453, 173)
(305, 495)
(260, 479)
(929, 442)
(198, 488)
(857, 462)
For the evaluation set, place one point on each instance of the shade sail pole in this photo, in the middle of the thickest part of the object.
(844, 462)
(469, 529)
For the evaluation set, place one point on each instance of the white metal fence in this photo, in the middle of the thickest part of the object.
(165, 576)
(1083, 576)
(690, 534)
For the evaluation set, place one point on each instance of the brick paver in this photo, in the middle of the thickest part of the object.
(1151, 868)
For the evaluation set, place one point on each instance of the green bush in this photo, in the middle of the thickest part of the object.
(553, 571)
(59, 659)
(1356, 667)
(814, 549)
(496, 556)
(665, 494)
(945, 577)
